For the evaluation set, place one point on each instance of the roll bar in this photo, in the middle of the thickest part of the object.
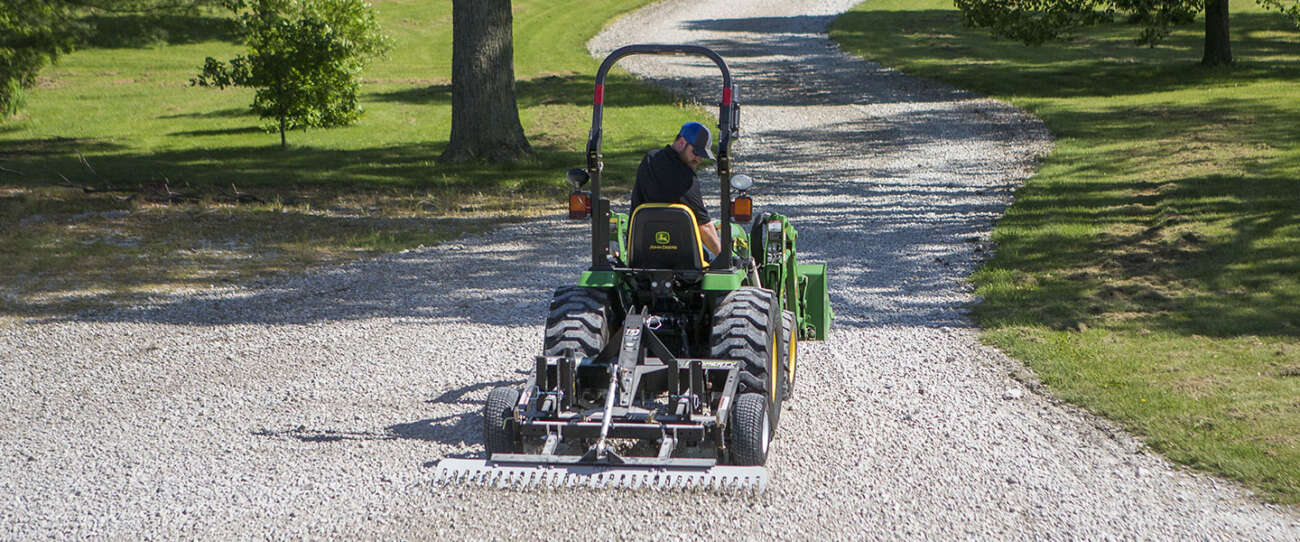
(728, 129)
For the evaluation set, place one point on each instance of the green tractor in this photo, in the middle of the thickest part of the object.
(655, 349)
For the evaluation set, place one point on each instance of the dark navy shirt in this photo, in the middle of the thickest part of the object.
(662, 177)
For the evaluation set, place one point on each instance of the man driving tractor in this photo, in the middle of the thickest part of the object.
(667, 175)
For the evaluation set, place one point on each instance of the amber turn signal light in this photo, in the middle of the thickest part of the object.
(742, 209)
(579, 205)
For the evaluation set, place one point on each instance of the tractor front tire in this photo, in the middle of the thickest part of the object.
(579, 320)
(789, 353)
(499, 435)
(751, 430)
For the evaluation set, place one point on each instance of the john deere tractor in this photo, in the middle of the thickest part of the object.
(659, 362)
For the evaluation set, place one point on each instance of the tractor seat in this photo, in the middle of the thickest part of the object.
(665, 236)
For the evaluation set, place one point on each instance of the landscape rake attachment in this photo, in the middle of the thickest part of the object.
(505, 475)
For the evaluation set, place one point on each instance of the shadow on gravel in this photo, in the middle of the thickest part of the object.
(456, 396)
(496, 285)
(455, 429)
(466, 427)
(304, 434)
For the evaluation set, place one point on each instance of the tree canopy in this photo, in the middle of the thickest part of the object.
(33, 33)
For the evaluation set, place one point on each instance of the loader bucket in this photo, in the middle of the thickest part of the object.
(817, 313)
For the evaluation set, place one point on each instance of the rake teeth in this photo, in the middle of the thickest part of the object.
(478, 472)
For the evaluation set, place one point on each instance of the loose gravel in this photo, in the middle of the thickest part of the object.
(318, 406)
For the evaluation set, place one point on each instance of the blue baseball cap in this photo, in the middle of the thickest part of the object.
(699, 137)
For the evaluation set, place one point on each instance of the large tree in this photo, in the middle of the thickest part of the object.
(1036, 21)
(484, 115)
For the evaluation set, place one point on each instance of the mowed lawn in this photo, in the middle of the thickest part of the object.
(1150, 271)
(120, 115)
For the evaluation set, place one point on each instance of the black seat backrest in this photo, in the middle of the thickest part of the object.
(664, 236)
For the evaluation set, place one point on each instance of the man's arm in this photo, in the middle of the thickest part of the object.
(709, 235)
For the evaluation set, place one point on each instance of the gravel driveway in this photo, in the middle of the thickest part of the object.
(318, 406)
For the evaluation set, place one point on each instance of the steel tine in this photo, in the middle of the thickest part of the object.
(723, 479)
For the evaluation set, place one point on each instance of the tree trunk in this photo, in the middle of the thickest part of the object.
(484, 115)
(1218, 50)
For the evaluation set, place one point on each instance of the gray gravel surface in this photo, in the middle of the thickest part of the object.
(318, 406)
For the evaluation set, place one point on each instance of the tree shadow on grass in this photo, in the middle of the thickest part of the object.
(132, 31)
(233, 112)
(1094, 64)
(1203, 254)
(223, 131)
(20, 149)
(572, 89)
(270, 168)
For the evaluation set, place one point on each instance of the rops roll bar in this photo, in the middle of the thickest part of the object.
(728, 128)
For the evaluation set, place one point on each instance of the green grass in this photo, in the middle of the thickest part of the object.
(131, 112)
(1150, 271)
(119, 113)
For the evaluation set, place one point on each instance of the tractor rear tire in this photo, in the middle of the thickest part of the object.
(745, 327)
(579, 321)
(751, 430)
(499, 434)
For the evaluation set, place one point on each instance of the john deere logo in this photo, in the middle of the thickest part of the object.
(662, 238)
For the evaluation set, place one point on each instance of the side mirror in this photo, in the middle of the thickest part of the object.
(742, 182)
(577, 177)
